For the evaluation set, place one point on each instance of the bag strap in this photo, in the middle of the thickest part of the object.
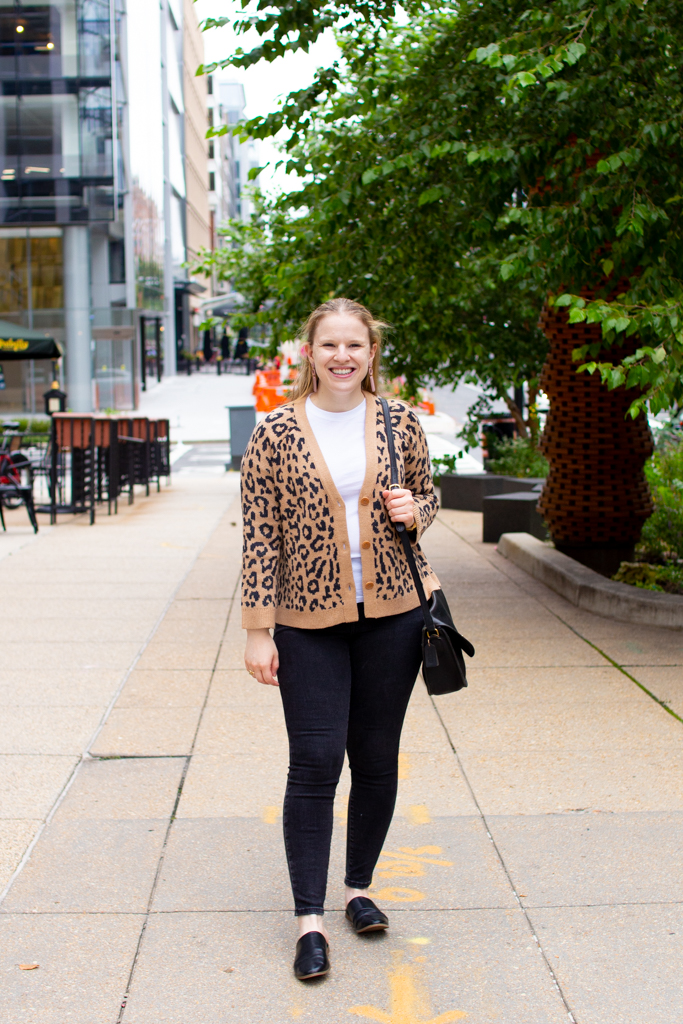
(400, 527)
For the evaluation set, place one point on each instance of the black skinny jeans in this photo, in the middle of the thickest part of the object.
(346, 687)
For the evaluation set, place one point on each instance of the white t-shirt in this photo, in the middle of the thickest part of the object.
(341, 436)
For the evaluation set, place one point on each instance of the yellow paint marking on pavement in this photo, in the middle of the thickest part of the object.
(420, 940)
(394, 895)
(403, 766)
(408, 1001)
(270, 815)
(418, 815)
(409, 861)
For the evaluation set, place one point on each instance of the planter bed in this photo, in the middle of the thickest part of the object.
(466, 491)
(588, 589)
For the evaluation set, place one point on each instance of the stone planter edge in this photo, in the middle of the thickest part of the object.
(588, 589)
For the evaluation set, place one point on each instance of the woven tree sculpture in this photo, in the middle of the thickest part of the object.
(596, 497)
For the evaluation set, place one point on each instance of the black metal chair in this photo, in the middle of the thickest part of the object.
(16, 485)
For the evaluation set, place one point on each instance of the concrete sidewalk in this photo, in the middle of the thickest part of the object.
(533, 872)
(196, 406)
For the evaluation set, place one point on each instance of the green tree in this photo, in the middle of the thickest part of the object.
(395, 241)
(458, 171)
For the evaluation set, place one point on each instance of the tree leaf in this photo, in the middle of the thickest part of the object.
(430, 195)
(574, 51)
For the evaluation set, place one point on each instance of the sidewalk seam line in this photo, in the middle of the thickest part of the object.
(504, 866)
(86, 756)
(181, 784)
(613, 663)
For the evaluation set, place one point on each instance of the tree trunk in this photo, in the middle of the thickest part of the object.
(516, 414)
(596, 498)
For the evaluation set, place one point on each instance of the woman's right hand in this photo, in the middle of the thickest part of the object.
(261, 657)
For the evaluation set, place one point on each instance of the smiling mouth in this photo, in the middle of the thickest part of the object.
(343, 371)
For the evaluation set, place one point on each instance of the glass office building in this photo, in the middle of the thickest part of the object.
(92, 190)
(56, 145)
(59, 171)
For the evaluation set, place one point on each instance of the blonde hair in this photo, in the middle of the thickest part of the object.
(345, 307)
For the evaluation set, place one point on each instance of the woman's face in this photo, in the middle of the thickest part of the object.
(341, 353)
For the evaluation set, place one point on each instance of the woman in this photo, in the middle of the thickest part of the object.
(323, 565)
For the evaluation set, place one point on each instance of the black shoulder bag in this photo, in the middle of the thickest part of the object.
(443, 666)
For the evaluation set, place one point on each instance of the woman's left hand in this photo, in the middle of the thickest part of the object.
(400, 506)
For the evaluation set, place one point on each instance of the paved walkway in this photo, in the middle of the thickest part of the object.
(196, 405)
(533, 870)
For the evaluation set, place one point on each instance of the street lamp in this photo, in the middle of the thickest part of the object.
(55, 400)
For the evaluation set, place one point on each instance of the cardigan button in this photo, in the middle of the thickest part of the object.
(365, 501)
(369, 586)
(365, 544)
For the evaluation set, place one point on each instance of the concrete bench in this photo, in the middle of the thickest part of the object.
(512, 513)
(467, 491)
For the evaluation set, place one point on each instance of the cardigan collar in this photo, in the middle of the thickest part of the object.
(370, 479)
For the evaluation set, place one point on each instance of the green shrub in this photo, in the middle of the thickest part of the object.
(518, 457)
(670, 578)
(665, 578)
(444, 464)
(26, 426)
(662, 536)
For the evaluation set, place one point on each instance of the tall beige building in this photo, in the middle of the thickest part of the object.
(196, 145)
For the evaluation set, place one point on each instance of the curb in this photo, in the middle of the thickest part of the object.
(588, 589)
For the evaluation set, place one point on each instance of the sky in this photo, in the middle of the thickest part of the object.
(264, 83)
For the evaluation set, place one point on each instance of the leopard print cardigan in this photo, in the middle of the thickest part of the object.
(296, 557)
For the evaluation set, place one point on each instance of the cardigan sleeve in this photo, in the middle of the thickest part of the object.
(418, 470)
(262, 533)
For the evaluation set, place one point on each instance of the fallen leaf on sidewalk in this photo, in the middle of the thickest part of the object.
(27, 967)
(227, 970)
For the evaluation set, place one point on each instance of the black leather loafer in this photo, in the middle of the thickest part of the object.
(311, 960)
(365, 916)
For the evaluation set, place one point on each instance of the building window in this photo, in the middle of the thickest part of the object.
(30, 258)
(212, 181)
(55, 112)
(210, 85)
(117, 261)
(211, 150)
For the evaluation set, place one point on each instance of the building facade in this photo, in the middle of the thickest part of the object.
(230, 161)
(100, 203)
